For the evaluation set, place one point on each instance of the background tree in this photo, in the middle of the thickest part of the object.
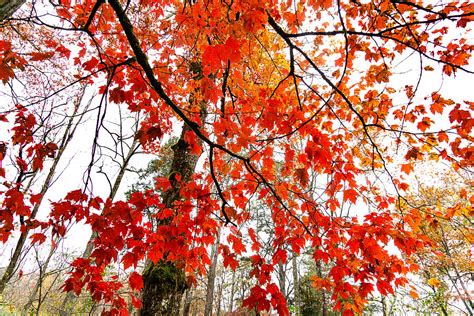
(446, 271)
(29, 162)
(443, 280)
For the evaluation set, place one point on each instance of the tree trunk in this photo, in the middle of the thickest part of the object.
(219, 300)
(188, 298)
(65, 308)
(296, 285)
(232, 293)
(319, 271)
(211, 277)
(155, 302)
(282, 278)
(39, 282)
(384, 306)
(8, 7)
(466, 297)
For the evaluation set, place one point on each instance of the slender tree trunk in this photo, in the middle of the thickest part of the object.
(67, 136)
(187, 302)
(296, 284)
(219, 299)
(465, 297)
(443, 308)
(211, 277)
(384, 306)
(282, 278)
(467, 302)
(232, 293)
(319, 271)
(65, 309)
(39, 281)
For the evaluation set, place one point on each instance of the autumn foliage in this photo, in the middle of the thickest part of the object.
(318, 110)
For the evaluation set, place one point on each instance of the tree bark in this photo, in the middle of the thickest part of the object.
(282, 278)
(232, 292)
(187, 302)
(211, 277)
(319, 271)
(183, 163)
(296, 285)
(8, 7)
(219, 299)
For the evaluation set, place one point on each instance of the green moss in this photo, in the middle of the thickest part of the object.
(166, 276)
(164, 285)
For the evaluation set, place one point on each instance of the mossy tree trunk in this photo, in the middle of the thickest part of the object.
(164, 283)
(164, 286)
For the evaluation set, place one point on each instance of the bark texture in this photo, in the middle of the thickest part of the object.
(164, 283)
(296, 285)
(211, 279)
(8, 7)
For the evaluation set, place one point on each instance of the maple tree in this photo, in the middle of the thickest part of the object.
(296, 104)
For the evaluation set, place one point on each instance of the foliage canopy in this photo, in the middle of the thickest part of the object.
(304, 106)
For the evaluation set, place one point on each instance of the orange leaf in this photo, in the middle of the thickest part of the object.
(407, 168)
(137, 303)
(6, 73)
(351, 195)
(162, 184)
(437, 107)
(230, 212)
(414, 295)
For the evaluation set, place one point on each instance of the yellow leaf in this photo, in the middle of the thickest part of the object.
(470, 239)
(434, 282)
(468, 211)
